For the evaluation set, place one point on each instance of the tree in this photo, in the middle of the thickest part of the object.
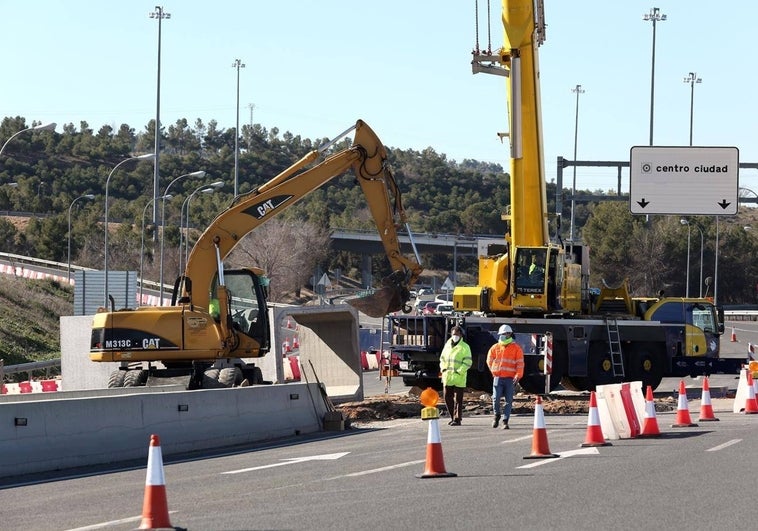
(287, 252)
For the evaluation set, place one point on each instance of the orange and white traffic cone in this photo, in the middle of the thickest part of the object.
(751, 404)
(649, 422)
(594, 435)
(295, 342)
(734, 336)
(155, 505)
(289, 323)
(435, 463)
(540, 447)
(683, 419)
(706, 409)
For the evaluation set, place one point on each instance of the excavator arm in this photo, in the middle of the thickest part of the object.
(367, 158)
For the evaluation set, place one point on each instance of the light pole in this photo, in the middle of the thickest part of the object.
(654, 16)
(200, 174)
(105, 245)
(692, 79)
(160, 15)
(142, 244)
(204, 189)
(85, 196)
(578, 90)
(237, 64)
(45, 127)
(687, 290)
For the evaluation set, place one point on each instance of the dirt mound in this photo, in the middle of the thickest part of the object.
(391, 407)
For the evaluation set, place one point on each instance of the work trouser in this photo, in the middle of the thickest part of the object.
(454, 401)
(502, 387)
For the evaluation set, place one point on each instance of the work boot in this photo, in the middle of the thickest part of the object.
(505, 425)
(496, 421)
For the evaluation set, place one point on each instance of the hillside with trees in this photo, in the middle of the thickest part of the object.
(43, 173)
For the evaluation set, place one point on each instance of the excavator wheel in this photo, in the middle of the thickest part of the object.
(230, 376)
(135, 378)
(211, 379)
(116, 379)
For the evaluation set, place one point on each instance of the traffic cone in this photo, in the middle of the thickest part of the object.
(706, 409)
(751, 405)
(289, 324)
(649, 422)
(286, 346)
(750, 351)
(295, 342)
(734, 336)
(435, 463)
(594, 435)
(540, 448)
(683, 419)
(155, 506)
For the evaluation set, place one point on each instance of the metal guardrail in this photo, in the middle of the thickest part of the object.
(28, 367)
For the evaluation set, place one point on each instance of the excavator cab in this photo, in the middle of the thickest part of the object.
(247, 293)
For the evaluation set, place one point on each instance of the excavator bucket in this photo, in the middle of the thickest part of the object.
(392, 297)
(380, 303)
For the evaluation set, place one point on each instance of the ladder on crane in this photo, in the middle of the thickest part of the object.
(614, 344)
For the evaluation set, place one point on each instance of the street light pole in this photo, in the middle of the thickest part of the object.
(200, 174)
(654, 16)
(45, 127)
(237, 64)
(160, 15)
(578, 90)
(687, 290)
(184, 226)
(142, 246)
(85, 196)
(701, 262)
(105, 245)
(692, 79)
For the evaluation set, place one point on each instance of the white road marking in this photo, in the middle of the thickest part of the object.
(722, 446)
(111, 523)
(291, 461)
(377, 470)
(562, 455)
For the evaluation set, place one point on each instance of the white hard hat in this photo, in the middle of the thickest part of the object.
(504, 329)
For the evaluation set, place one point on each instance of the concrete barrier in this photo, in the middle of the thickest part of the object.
(70, 429)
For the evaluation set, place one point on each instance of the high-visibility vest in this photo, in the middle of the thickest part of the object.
(506, 360)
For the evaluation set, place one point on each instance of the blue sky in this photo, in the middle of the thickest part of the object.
(313, 68)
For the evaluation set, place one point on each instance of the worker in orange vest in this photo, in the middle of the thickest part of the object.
(505, 360)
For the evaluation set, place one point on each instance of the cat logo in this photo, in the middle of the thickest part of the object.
(151, 343)
(262, 209)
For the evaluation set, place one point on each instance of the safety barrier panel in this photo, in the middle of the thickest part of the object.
(35, 386)
(618, 405)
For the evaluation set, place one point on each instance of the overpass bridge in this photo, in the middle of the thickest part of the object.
(368, 243)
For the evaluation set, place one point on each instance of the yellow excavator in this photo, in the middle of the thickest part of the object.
(217, 316)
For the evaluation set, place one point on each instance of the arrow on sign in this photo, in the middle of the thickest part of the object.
(643, 203)
(292, 461)
(724, 203)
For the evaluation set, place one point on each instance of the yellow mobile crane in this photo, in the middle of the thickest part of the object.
(540, 286)
(219, 316)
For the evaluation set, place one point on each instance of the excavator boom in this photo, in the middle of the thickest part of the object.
(368, 159)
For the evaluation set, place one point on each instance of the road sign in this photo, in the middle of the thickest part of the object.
(448, 285)
(684, 180)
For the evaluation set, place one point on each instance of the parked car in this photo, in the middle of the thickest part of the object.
(430, 306)
(444, 309)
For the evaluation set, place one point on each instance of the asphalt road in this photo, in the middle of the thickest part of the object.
(696, 478)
